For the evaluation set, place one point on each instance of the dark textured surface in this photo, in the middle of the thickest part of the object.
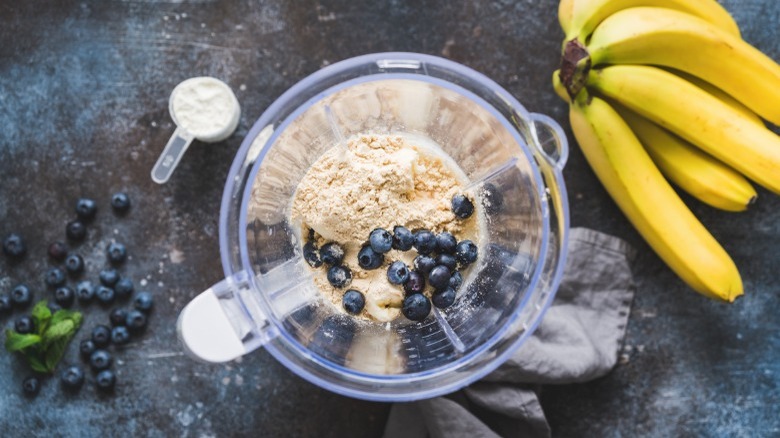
(83, 112)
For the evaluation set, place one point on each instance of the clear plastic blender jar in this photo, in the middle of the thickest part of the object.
(511, 157)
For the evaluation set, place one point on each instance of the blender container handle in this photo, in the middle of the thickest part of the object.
(550, 140)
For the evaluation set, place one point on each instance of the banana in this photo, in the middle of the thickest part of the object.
(669, 38)
(694, 171)
(696, 116)
(722, 95)
(560, 90)
(634, 182)
(578, 18)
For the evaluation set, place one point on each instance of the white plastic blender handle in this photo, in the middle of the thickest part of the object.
(206, 332)
(171, 155)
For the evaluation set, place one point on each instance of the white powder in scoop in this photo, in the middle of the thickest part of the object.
(205, 108)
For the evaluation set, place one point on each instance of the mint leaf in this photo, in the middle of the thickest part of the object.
(41, 316)
(63, 314)
(37, 365)
(54, 353)
(18, 342)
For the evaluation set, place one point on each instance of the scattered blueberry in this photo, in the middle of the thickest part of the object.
(380, 240)
(143, 302)
(456, 280)
(415, 284)
(85, 291)
(120, 202)
(353, 301)
(339, 276)
(74, 264)
(136, 321)
(21, 295)
(58, 251)
(439, 277)
(444, 298)
(332, 253)
(124, 287)
(109, 277)
(31, 386)
(117, 253)
(424, 264)
(492, 199)
(76, 231)
(101, 336)
(398, 273)
(416, 307)
(13, 246)
(462, 206)
(86, 209)
(105, 380)
(445, 243)
(466, 252)
(24, 325)
(424, 242)
(100, 360)
(54, 277)
(72, 378)
(64, 296)
(5, 304)
(105, 294)
(53, 307)
(311, 255)
(403, 239)
(370, 259)
(447, 260)
(118, 317)
(120, 335)
(86, 348)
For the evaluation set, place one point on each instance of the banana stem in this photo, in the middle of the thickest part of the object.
(575, 66)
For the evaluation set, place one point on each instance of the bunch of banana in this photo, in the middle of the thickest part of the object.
(667, 91)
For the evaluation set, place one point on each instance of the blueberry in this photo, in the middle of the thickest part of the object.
(85, 291)
(311, 255)
(64, 296)
(439, 277)
(339, 276)
(53, 307)
(105, 294)
(109, 277)
(445, 243)
(416, 307)
(54, 277)
(415, 284)
(21, 295)
(100, 360)
(24, 325)
(370, 259)
(456, 280)
(86, 209)
(136, 321)
(101, 336)
(118, 317)
(444, 298)
(86, 348)
(403, 239)
(58, 251)
(74, 264)
(424, 264)
(424, 242)
(31, 386)
(332, 253)
(13, 245)
(120, 335)
(105, 380)
(462, 206)
(398, 273)
(447, 260)
(466, 252)
(353, 301)
(5, 304)
(124, 287)
(143, 302)
(120, 202)
(380, 240)
(492, 199)
(76, 231)
(72, 378)
(117, 253)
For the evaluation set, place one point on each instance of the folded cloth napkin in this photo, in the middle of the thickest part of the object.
(578, 340)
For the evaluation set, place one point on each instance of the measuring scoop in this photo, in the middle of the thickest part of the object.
(202, 108)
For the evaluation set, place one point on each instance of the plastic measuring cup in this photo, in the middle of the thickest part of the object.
(202, 108)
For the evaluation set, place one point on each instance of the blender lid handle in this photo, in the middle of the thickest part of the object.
(206, 332)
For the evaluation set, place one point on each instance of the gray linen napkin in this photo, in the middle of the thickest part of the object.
(577, 341)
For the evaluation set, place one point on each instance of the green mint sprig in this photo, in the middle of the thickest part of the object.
(44, 348)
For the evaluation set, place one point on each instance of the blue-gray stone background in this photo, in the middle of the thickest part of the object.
(84, 89)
